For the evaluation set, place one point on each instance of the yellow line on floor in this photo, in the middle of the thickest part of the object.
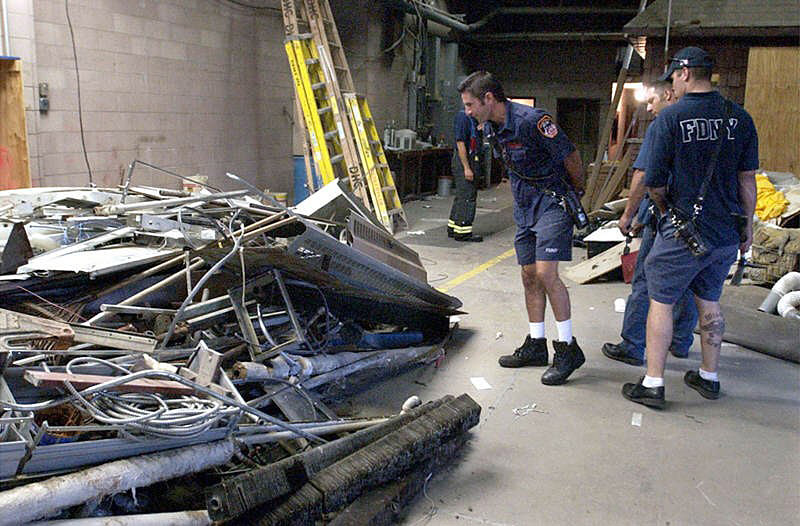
(477, 270)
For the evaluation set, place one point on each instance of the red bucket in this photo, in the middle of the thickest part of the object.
(628, 261)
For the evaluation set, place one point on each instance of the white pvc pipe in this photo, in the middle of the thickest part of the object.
(181, 518)
(788, 282)
(789, 304)
(43, 499)
(6, 38)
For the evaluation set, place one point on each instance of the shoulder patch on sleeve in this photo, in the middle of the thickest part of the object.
(547, 127)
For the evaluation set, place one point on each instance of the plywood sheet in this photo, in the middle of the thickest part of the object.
(772, 98)
(14, 167)
(599, 265)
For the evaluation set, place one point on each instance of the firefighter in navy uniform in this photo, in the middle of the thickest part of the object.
(543, 167)
(466, 167)
(701, 176)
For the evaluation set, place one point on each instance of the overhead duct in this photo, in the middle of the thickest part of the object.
(444, 18)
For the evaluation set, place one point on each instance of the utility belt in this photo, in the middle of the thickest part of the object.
(567, 199)
(687, 231)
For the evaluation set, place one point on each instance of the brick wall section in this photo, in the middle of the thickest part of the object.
(176, 83)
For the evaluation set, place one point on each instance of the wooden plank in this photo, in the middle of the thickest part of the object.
(14, 163)
(591, 183)
(83, 381)
(601, 264)
(614, 183)
(772, 97)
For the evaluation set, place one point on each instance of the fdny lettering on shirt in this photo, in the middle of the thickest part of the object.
(705, 129)
(547, 127)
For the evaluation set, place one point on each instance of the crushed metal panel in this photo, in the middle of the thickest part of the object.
(381, 245)
(17, 250)
(360, 270)
(335, 202)
(100, 261)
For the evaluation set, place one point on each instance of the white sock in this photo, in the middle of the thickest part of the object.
(537, 329)
(705, 375)
(652, 381)
(564, 330)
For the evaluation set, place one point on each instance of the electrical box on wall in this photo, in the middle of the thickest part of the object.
(44, 97)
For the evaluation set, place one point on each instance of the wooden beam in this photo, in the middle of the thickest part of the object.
(613, 182)
(14, 164)
(83, 381)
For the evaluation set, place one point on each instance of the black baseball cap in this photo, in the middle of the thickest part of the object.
(688, 57)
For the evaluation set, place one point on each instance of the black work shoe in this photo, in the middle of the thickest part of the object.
(649, 396)
(532, 352)
(450, 232)
(468, 237)
(678, 354)
(618, 352)
(567, 358)
(707, 388)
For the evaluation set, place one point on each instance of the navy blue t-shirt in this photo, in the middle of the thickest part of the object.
(684, 139)
(644, 152)
(535, 147)
(466, 131)
(643, 215)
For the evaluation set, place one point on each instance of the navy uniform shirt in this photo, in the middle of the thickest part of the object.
(535, 147)
(644, 215)
(466, 131)
(683, 142)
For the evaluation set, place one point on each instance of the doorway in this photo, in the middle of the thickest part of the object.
(580, 120)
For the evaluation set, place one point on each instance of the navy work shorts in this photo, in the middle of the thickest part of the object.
(549, 239)
(671, 268)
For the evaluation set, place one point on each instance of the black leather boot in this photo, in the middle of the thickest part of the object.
(472, 238)
(567, 358)
(532, 352)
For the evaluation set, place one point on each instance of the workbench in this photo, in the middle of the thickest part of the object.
(416, 172)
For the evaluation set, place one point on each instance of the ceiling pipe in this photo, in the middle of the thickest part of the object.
(575, 10)
(429, 13)
(415, 7)
(548, 36)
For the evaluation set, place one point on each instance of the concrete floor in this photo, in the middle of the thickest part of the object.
(577, 459)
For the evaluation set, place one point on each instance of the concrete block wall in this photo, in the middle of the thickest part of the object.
(551, 70)
(378, 75)
(188, 85)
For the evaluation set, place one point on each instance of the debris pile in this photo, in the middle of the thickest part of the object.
(139, 320)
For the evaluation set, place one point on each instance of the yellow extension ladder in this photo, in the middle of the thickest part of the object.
(341, 147)
(382, 191)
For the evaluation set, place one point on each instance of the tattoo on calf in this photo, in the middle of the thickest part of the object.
(713, 330)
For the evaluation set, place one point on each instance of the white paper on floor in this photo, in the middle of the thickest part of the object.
(636, 419)
(480, 383)
(525, 409)
(498, 335)
(415, 233)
